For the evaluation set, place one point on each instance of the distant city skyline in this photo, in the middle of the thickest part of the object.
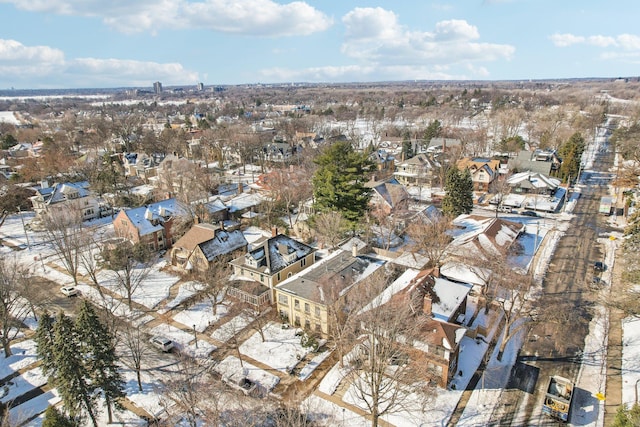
(67, 44)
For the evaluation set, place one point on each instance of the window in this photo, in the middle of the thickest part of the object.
(303, 262)
(278, 276)
(282, 299)
(297, 322)
(307, 324)
(296, 304)
(307, 307)
(262, 277)
(317, 311)
(318, 327)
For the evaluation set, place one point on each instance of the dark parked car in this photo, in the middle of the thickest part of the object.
(529, 213)
(599, 266)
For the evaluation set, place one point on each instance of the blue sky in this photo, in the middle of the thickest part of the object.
(125, 43)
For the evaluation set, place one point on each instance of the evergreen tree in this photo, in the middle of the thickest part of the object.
(71, 376)
(44, 343)
(571, 154)
(338, 184)
(433, 131)
(98, 347)
(459, 193)
(55, 418)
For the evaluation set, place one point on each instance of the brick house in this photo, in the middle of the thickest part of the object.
(149, 224)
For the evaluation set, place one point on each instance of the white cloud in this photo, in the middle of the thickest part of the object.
(564, 40)
(20, 63)
(373, 35)
(629, 41)
(601, 41)
(13, 51)
(250, 17)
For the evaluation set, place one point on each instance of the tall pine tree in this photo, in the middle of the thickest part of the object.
(459, 193)
(44, 343)
(338, 184)
(71, 376)
(98, 347)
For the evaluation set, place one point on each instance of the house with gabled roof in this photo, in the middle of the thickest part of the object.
(203, 244)
(304, 299)
(420, 170)
(439, 307)
(482, 237)
(483, 171)
(150, 225)
(388, 196)
(66, 197)
(273, 260)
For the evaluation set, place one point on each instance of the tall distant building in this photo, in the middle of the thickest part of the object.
(157, 88)
(200, 87)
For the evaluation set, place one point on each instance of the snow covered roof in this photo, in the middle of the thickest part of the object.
(534, 180)
(149, 219)
(224, 242)
(483, 236)
(62, 192)
(276, 253)
(339, 271)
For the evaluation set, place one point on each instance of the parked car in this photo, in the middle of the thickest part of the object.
(164, 344)
(599, 266)
(69, 291)
(529, 213)
(507, 209)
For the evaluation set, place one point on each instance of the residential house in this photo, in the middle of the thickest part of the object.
(483, 171)
(443, 145)
(150, 225)
(140, 165)
(273, 260)
(533, 182)
(67, 197)
(305, 299)
(388, 196)
(383, 160)
(203, 244)
(482, 237)
(420, 170)
(439, 307)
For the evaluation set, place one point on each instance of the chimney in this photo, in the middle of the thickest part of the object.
(426, 305)
(148, 215)
(240, 188)
(274, 231)
(436, 271)
(221, 225)
(354, 250)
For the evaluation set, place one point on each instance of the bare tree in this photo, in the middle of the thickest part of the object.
(190, 393)
(136, 349)
(290, 187)
(129, 265)
(66, 233)
(387, 366)
(215, 279)
(330, 227)
(14, 307)
(429, 237)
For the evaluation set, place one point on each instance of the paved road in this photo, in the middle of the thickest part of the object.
(555, 348)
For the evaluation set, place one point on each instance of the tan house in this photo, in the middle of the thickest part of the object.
(274, 260)
(420, 170)
(483, 171)
(149, 224)
(68, 197)
(304, 299)
(204, 243)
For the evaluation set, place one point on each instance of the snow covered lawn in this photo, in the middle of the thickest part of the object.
(186, 291)
(201, 315)
(184, 341)
(227, 331)
(149, 293)
(24, 354)
(280, 350)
